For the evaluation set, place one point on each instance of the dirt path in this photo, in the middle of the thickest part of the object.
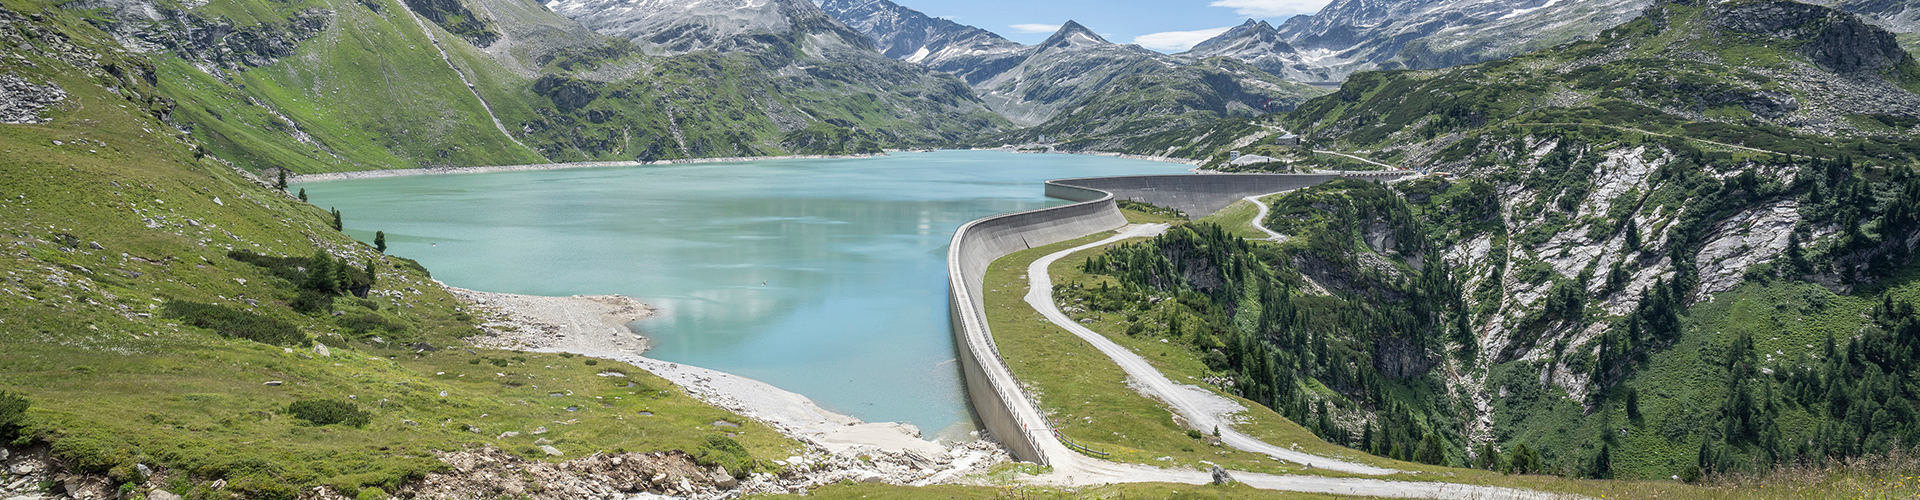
(1203, 409)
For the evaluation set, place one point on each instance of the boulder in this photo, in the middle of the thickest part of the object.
(162, 495)
(1220, 476)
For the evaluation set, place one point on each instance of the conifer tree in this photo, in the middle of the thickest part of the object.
(282, 182)
(371, 275)
(337, 226)
(303, 194)
(320, 275)
(379, 241)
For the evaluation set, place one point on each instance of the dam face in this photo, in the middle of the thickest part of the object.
(1004, 409)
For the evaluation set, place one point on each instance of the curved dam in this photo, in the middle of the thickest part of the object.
(1004, 409)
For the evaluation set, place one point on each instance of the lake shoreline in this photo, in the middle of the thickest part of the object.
(596, 326)
(412, 172)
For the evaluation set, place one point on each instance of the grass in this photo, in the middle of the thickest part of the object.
(1087, 394)
(1237, 219)
(114, 381)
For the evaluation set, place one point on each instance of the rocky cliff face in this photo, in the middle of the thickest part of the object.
(1610, 183)
(1356, 35)
(1260, 45)
(672, 27)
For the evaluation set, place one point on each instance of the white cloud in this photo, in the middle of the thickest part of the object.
(1177, 41)
(1035, 28)
(1271, 8)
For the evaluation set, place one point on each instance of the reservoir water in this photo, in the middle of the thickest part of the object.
(822, 277)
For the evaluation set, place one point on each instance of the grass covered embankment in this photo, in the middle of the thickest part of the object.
(119, 236)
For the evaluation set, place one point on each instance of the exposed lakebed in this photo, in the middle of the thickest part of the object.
(822, 277)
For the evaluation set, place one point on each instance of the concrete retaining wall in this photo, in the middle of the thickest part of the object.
(1003, 408)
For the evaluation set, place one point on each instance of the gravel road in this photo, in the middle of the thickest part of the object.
(1192, 403)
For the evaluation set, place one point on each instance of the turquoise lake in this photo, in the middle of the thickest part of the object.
(823, 277)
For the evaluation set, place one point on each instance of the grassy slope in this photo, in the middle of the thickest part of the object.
(1060, 370)
(111, 387)
(371, 91)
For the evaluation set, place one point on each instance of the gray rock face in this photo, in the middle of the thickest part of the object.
(1836, 41)
(1260, 45)
(1357, 35)
(672, 27)
(146, 26)
(22, 101)
(908, 35)
(1068, 67)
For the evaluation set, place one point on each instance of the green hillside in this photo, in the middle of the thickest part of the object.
(1632, 269)
(161, 308)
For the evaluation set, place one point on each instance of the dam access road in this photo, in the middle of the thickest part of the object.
(1016, 419)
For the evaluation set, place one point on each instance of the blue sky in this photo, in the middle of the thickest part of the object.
(1168, 26)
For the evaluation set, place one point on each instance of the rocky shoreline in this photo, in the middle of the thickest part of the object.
(596, 326)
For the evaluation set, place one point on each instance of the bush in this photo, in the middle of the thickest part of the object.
(364, 323)
(329, 412)
(237, 323)
(13, 414)
(311, 302)
(726, 453)
(592, 362)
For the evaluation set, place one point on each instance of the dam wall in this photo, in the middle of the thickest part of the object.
(1201, 195)
(1004, 409)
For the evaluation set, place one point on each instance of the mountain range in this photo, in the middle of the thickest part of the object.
(1669, 247)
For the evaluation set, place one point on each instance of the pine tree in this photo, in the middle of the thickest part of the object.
(341, 276)
(320, 275)
(1488, 458)
(303, 194)
(337, 226)
(1602, 467)
(1633, 238)
(1633, 404)
(380, 241)
(282, 183)
(371, 275)
(1796, 257)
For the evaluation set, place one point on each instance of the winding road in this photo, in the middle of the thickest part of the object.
(1203, 410)
(1259, 219)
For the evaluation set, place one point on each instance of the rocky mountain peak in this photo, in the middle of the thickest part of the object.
(681, 26)
(1251, 34)
(1071, 35)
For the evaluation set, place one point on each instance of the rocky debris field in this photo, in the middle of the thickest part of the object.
(21, 101)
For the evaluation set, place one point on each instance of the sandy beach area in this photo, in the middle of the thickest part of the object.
(597, 326)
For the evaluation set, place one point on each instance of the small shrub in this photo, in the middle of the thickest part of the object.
(362, 324)
(592, 362)
(473, 361)
(566, 355)
(237, 323)
(13, 414)
(726, 453)
(311, 302)
(1194, 433)
(329, 412)
(498, 362)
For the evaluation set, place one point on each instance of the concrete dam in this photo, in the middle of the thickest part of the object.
(1004, 409)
